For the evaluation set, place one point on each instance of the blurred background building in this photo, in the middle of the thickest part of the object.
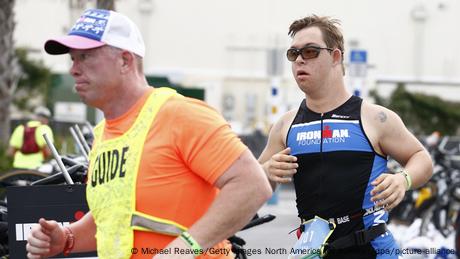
(233, 52)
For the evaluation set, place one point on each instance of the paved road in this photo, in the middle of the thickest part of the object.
(271, 240)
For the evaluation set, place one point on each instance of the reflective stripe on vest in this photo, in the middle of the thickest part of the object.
(144, 222)
(111, 187)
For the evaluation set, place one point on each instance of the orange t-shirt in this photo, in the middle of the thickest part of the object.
(188, 147)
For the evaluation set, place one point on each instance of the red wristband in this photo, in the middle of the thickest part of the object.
(69, 241)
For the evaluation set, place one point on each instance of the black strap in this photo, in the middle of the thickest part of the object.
(357, 215)
(358, 238)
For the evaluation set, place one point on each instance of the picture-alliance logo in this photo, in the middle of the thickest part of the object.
(313, 137)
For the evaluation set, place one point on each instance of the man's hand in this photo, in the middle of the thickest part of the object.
(46, 239)
(10, 151)
(389, 190)
(180, 245)
(281, 166)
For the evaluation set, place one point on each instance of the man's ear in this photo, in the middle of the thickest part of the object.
(128, 61)
(337, 56)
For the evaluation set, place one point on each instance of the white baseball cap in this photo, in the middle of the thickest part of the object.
(96, 28)
(42, 111)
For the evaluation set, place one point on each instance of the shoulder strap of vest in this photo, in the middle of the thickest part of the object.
(99, 129)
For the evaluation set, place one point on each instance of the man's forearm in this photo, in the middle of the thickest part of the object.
(46, 152)
(420, 168)
(84, 231)
(273, 184)
(236, 203)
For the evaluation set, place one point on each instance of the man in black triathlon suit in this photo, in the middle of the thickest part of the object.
(335, 147)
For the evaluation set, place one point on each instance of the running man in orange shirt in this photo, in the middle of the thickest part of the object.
(167, 178)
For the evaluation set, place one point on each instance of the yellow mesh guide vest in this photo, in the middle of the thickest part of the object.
(112, 174)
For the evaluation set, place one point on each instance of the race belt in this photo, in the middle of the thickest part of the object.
(357, 238)
(350, 217)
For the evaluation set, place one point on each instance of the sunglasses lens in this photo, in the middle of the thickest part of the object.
(292, 54)
(308, 53)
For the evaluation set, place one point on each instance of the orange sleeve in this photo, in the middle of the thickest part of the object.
(204, 139)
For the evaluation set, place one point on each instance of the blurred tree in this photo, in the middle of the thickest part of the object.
(422, 113)
(106, 4)
(34, 82)
(9, 68)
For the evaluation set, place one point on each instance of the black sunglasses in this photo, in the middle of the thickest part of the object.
(307, 52)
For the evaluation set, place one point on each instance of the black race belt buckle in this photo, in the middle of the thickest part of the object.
(359, 237)
(365, 236)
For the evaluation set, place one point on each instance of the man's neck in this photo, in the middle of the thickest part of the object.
(126, 99)
(329, 97)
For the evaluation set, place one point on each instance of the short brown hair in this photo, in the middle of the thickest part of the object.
(329, 27)
(139, 59)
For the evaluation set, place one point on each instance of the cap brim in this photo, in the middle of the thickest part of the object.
(63, 44)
